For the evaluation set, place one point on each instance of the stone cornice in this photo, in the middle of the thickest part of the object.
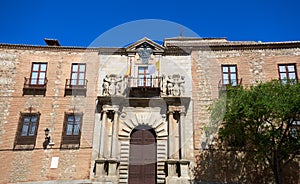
(169, 49)
(246, 46)
(47, 48)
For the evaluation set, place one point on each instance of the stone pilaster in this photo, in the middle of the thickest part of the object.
(173, 137)
(114, 142)
(176, 132)
(102, 135)
(182, 133)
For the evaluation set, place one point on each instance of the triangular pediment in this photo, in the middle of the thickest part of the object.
(145, 41)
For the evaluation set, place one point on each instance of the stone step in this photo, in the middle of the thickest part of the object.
(160, 180)
(123, 181)
(124, 169)
(124, 152)
(123, 144)
(124, 173)
(162, 173)
(124, 156)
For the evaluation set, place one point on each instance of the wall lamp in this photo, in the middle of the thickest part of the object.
(47, 139)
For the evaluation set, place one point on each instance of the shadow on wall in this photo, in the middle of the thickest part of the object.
(216, 166)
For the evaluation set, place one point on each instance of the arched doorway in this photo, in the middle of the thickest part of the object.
(142, 157)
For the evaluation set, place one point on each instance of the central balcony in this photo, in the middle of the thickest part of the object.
(141, 91)
(144, 86)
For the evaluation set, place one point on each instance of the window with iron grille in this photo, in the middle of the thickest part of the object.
(72, 128)
(38, 74)
(78, 74)
(287, 72)
(27, 129)
(229, 75)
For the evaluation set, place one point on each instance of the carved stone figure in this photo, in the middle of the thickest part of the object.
(105, 86)
(164, 85)
(112, 85)
(145, 53)
(175, 85)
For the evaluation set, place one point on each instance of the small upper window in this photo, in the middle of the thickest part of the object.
(229, 74)
(38, 74)
(287, 72)
(78, 74)
(36, 83)
(77, 84)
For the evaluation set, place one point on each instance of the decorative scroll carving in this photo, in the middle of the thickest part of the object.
(173, 85)
(112, 85)
(145, 52)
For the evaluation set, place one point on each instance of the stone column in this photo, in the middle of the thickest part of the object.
(173, 138)
(100, 171)
(172, 171)
(184, 169)
(102, 137)
(113, 153)
(182, 133)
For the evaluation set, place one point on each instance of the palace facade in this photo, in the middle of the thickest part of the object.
(134, 114)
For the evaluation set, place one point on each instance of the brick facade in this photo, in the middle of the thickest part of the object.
(198, 60)
(34, 165)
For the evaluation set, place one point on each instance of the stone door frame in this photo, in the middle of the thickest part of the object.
(130, 118)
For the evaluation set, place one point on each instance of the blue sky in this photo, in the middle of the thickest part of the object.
(79, 23)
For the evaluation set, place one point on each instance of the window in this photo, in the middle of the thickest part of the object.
(229, 74)
(38, 74)
(72, 129)
(78, 74)
(27, 129)
(144, 78)
(295, 129)
(36, 83)
(77, 84)
(287, 72)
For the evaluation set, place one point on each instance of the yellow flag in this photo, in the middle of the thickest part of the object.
(157, 65)
(128, 71)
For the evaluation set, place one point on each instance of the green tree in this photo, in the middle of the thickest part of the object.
(262, 119)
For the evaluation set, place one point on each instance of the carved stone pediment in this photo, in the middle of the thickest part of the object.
(145, 42)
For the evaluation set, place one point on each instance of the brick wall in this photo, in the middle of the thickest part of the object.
(34, 165)
(252, 66)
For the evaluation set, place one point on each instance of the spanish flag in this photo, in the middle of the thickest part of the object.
(157, 65)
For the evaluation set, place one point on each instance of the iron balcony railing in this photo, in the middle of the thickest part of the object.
(144, 82)
(232, 82)
(38, 83)
(291, 81)
(70, 139)
(224, 83)
(76, 83)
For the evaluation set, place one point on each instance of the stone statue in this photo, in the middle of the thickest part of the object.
(175, 85)
(112, 85)
(145, 53)
(164, 85)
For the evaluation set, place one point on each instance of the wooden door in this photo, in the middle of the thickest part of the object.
(142, 159)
